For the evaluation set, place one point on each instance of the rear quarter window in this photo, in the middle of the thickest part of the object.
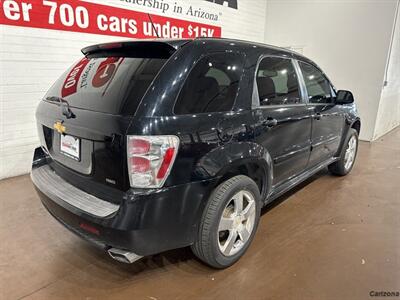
(212, 85)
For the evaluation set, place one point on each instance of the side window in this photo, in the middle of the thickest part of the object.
(277, 82)
(318, 88)
(212, 85)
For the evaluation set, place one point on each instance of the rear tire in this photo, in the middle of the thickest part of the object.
(229, 222)
(348, 155)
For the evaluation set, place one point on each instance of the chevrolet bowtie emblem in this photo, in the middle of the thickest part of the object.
(59, 127)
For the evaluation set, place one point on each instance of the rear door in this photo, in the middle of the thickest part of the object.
(83, 118)
(282, 117)
(328, 119)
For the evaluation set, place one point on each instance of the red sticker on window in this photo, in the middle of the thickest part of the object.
(105, 72)
(70, 85)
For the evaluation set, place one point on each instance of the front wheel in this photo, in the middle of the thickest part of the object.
(348, 155)
(229, 222)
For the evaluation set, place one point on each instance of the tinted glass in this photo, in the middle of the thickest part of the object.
(212, 85)
(112, 85)
(277, 82)
(318, 87)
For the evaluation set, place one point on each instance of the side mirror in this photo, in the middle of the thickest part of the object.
(344, 97)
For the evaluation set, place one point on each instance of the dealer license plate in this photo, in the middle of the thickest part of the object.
(70, 146)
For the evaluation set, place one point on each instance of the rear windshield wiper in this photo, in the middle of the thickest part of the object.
(66, 111)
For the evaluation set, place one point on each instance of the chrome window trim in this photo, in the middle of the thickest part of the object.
(282, 105)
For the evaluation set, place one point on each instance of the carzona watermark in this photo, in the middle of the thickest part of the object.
(384, 293)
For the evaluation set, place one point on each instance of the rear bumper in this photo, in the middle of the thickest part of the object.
(67, 195)
(145, 222)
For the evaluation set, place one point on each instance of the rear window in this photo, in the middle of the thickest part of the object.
(212, 85)
(114, 85)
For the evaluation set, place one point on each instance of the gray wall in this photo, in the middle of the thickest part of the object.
(350, 40)
(389, 106)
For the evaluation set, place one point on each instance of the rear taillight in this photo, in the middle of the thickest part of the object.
(150, 159)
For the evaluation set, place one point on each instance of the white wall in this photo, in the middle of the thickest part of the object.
(31, 59)
(389, 106)
(349, 40)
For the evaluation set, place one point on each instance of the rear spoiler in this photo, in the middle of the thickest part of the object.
(147, 48)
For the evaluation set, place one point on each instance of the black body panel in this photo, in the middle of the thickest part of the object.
(288, 142)
(327, 130)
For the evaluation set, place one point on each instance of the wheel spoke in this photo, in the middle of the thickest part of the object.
(353, 143)
(248, 210)
(347, 155)
(244, 234)
(238, 200)
(225, 224)
(230, 241)
(347, 165)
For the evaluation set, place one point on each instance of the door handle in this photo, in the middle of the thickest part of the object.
(270, 122)
(317, 116)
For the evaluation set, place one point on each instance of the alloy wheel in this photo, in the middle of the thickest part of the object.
(350, 154)
(236, 223)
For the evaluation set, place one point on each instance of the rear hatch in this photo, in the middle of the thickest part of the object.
(83, 118)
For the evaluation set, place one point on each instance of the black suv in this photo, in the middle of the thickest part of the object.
(148, 146)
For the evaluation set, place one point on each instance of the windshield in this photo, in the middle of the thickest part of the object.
(114, 85)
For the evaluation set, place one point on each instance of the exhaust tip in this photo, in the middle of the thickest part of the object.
(123, 255)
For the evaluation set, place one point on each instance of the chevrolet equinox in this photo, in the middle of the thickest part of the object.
(154, 145)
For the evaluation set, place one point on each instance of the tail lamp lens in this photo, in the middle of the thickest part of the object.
(150, 159)
(139, 164)
(139, 146)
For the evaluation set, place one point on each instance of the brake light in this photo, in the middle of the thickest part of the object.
(110, 46)
(139, 164)
(150, 159)
(139, 146)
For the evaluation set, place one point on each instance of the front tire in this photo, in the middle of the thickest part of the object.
(229, 222)
(347, 156)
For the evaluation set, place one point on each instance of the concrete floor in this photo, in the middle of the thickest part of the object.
(332, 238)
